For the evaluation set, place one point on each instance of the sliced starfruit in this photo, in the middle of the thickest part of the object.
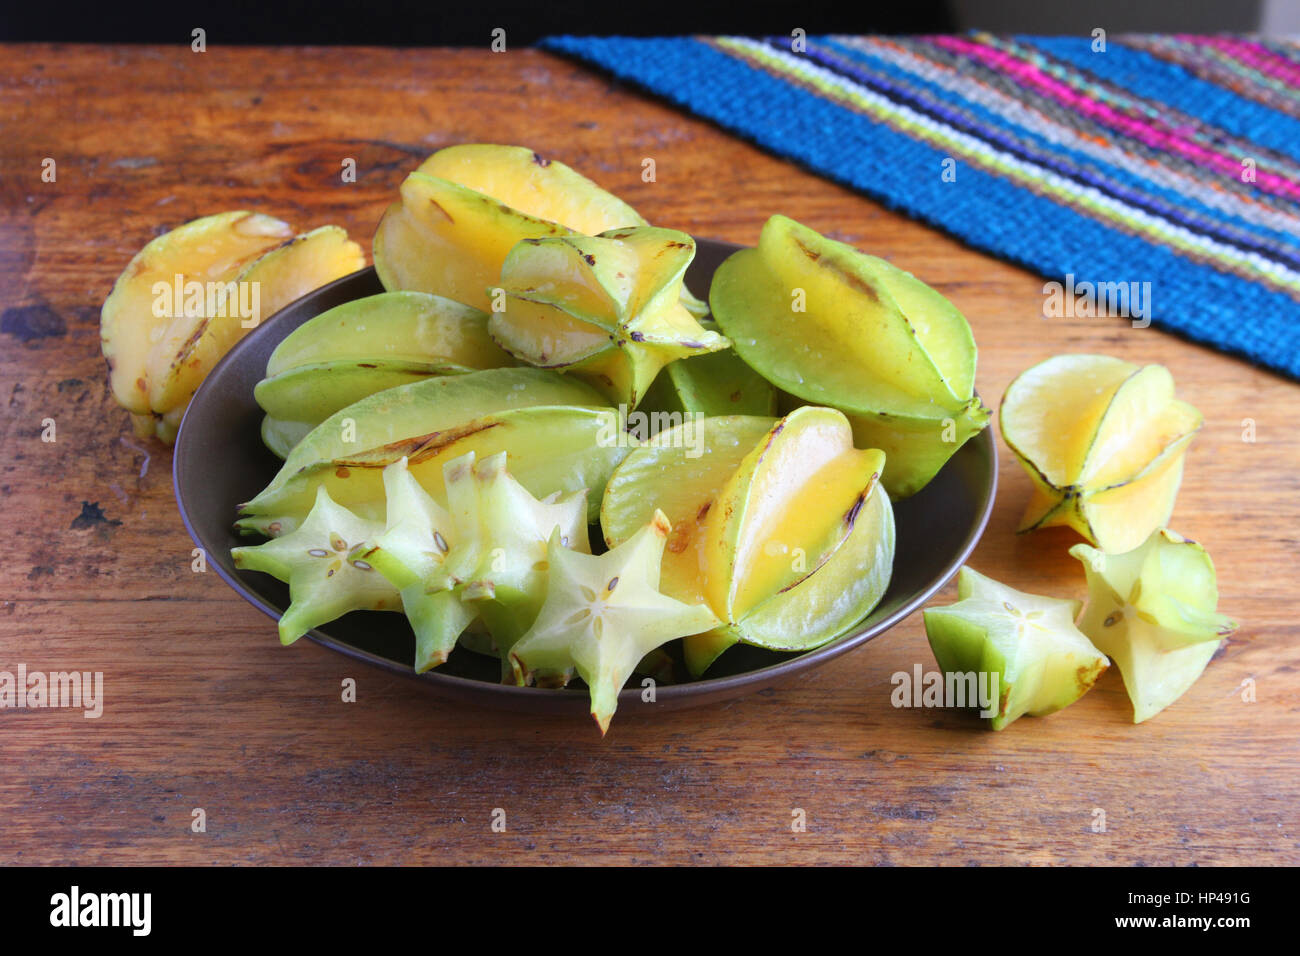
(464, 208)
(657, 665)
(323, 561)
(412, 554)
(603, 615)
(507, 577)
(481, 557)
(192, 345)
(1154, 610)
(716, 384)
(782, 528)
(211, 249)
(605, 308)
(1103, 441)
(553, 429)
(836, 327)
(1042, 662)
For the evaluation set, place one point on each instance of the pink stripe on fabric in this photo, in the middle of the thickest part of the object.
(1160, 137)
(1253, 55)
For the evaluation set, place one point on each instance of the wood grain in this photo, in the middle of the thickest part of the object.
(203, 708)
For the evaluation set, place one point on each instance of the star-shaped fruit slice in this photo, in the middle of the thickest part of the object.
(1042, 661)
(503, 577)
(603, 614)
(412, 554)
(323, 561)
(1154, 610)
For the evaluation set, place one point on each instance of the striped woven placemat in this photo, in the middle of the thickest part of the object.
(1157, 174)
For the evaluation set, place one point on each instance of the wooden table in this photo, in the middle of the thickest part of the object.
(204, 709)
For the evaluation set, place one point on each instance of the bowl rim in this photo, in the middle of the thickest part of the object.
(506, 694)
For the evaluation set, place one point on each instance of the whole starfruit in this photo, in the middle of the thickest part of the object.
(467, 205)
(833, 326)
(779, 526)
(1154, 611)
(606, 309)
(1103, 441)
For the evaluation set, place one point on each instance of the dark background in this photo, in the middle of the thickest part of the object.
(435, 23)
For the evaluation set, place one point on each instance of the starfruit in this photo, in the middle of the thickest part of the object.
(1041, 661)
(550, 425)
(466, 206)
(781, 528)
(836, 327)
(324, 563)
(210, 249)
(1103, 441)
(365, 346)
(603, 615)
(1154, 610)
(481, 557)
(604, 308)
(718, 383)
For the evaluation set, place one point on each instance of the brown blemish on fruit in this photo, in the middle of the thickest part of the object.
(438, 206)
(852, 515)
(1087, 675)
(367, 365)
(679, 539)
(541, 160)
(637, 336)
(853, 281)
(735, 396)
(1113, 619)
(552, 680)
(589, 259)
(810, 253)
(704, 511)
(342, 472)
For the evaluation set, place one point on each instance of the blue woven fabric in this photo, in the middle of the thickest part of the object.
(1204, 297)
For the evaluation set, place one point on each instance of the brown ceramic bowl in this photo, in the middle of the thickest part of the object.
(220, 461)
